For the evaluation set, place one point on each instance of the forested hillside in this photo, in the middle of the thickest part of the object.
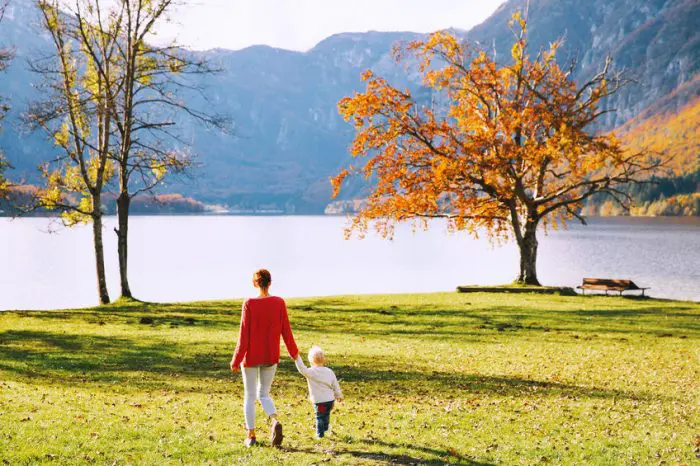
(289, 137)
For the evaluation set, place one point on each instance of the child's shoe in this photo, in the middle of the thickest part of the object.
(250, 442)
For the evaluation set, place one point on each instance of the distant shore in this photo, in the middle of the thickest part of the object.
(281, 213)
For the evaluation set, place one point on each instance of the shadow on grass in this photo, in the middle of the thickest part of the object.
(466, 320)
(426, 450)
(394, 458)
(207, 315)
(60, 358)
(426, 384)
(476, 322)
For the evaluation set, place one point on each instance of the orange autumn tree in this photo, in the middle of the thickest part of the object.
(506, 149)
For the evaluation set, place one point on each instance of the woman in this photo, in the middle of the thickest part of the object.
(264, 319)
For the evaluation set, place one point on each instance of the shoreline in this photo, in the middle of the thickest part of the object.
(596, 218)
(550, 292)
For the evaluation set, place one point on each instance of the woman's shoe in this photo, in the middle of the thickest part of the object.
(276, 433)
(250, 442)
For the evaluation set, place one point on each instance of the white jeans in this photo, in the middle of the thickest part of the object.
(257, 381)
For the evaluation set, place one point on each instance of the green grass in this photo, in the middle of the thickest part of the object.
(429, 379)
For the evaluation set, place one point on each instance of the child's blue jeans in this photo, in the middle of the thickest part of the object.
(323, 417)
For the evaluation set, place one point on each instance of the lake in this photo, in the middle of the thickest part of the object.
(186, 258)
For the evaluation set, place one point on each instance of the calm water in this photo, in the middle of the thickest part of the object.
(194, 258)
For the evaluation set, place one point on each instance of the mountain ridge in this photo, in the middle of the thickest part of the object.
(290, 138)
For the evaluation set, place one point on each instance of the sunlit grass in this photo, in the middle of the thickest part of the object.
(431, 379)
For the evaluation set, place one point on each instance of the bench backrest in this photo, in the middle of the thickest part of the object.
(610, 283)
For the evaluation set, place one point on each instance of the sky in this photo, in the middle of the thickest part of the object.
(301, 24)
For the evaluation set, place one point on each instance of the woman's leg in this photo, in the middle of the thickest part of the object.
(250, 382)
(267, 375)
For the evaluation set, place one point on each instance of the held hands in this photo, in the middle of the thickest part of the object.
(340, 399)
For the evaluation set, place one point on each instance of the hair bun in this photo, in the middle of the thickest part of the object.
(262, 278)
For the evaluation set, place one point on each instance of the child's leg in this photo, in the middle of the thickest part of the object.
(323, 416)
(328, 416)
(320, 410)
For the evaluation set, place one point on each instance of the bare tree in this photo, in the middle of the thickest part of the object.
(5, 57)
(75, 113)
(115, 104)
(146, 101)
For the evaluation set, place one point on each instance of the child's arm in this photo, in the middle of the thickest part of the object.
(336, 389)
(303, 370)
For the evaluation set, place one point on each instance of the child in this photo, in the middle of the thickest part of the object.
(323, 387)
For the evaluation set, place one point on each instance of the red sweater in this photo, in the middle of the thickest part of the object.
(263, 321)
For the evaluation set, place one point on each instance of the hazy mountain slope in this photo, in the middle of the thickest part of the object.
(289, 136)
(656, 42)
(676, 134)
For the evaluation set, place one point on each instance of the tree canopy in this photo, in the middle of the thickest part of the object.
(501, 148)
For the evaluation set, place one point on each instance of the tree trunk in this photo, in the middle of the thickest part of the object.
(122, 231)
(528, 255)
(99, 253)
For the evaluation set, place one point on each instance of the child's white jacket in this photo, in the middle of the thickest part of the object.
(323, 385)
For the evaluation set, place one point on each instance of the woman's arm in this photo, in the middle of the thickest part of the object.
(243, 338)
(287, 333)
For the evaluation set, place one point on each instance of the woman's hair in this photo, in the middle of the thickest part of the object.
(316, 356)
(262, 278)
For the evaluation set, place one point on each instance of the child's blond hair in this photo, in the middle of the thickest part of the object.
(316, 356)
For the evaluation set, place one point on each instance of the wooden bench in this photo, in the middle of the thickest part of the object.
(608, 284)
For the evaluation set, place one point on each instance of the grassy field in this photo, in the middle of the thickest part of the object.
(428, 379)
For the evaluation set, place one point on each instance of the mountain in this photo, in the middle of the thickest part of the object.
(677, 135)
(289, 137)
(655, 42)
(673, 133)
